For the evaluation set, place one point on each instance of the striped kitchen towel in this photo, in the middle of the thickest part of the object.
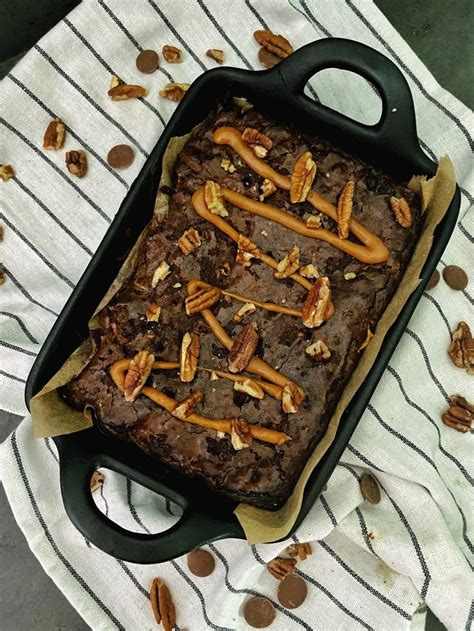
(373, 566)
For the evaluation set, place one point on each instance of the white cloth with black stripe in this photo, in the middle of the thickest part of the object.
(373, 567)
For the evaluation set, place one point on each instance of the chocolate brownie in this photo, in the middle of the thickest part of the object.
(254, 471)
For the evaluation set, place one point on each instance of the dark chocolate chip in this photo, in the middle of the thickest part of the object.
(434, 280)
(455, 277)
(201, 563)
(292, 591)
(166, 190)
(369, 488)
(240, 398)
(168, 391)
(120, 156)
(259, 612)
(268, 59)
(148, 61)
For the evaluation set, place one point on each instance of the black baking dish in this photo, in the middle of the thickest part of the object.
(391, 144)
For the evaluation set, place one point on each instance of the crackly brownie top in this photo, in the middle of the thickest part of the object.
(249, 304)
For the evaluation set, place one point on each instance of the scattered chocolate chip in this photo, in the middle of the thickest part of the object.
(201, 563)
(455, 277)
(166, 190)
(120, 156)
(369, 488)
(268, 59)
(259, 612)
(148, 61)
(292, 591)
(434, 280)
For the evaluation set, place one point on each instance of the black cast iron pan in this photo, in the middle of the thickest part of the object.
(391, 144)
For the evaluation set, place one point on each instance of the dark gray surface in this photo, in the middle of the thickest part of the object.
(444, 40)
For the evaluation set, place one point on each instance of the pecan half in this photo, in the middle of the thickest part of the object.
(174, 91)
(54, 135)
(172, 54)
(260, 142)
(344, 209)
(280, 567)
(303, 550)
(249, 387)
(401, 210)
(153, 312)
(160, 273)
(302, 177)
(309, 271)
(246, 250)
(276, 44)
(190, 240)
(162, 605)
(227, 165)
(202, 299)
(185, 408)
(137, 374)
(189, 356)
(214, 200)
(366, 342)
(243, 348)
(291, 398)
(124, 91)
(76, 162)
(244, 310)
(290, 264)
(216, 54)
(460, 414)
(97, 480)
(240, 435)
(318, 306)
(461, 349)
(318, 351)
(268, 188)
(6, 172)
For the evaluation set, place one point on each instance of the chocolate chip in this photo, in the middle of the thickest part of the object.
(120, 156)
(201, 563)
(455, 277)
(292, 591)
(434, 280)
(268, 59)
(148, 61)
(369, 488)
(259, 612)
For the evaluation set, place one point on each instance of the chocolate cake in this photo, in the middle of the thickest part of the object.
(225, 352)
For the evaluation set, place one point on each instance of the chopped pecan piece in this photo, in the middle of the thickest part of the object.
(189, 356)
(290, 264)
(54, 135)
(280, 567)
(97, 481)
(244, 310)
(115, 81)
(260, 142)
(174, 91)
(302, 177)
(268, 188)
(243, 348)
(240, 435)
(303, 550)
(460, 414)
(190, 240)
(153, 313)
(162, 605)
(2, 276)
(6, 172)
(214, 200)
(249, 387)
(461, 349)
(160, 273)
(318, 306)
(276, 44)
(202, 299)
(401, 210)
(242, 102)
(216, 54)
(291, 398)
(213, 376)
(223, 271)
(350, 275)
(344, 209)
(318, 351)
(227, 165)
(309, 271)
(124, 91)
(314, 222)
(366, 342)
(1, 234)
(76, 162)
(172, 54)
(185, 408)
(137, 374)
(246, 250)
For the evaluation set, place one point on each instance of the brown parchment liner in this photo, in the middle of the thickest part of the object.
(52, 416)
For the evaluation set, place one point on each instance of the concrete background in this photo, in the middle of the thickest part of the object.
(442, 37)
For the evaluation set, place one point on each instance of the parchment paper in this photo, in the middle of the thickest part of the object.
(52, 416)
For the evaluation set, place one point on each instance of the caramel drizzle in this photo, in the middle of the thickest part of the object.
(119, 369)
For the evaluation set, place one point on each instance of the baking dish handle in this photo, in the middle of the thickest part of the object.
(397, 124)
(192, 530)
